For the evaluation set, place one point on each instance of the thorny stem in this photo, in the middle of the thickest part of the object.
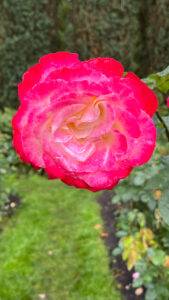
(164, 125)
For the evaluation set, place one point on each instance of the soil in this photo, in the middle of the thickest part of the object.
(117, 266)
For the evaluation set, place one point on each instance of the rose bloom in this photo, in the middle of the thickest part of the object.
(135, 275)
(82, 122)
(168, 101)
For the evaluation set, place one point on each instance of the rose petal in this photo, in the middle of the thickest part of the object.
(107, 66)
(143, 93)
(39, 72)
(126, 123)
(141, 149)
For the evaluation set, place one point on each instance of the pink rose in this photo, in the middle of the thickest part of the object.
(82, 121)
(135, 275)
(168, 101)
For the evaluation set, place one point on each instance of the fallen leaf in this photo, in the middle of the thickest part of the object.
(104, 234)
(139, 291)
(119, 286)
(158, 194)
(128, 286)
(167, 261)
(97, 226)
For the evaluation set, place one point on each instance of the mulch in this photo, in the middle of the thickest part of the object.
(117, 265)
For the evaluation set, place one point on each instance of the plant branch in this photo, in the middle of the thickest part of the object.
(157, 86)
(164, 125)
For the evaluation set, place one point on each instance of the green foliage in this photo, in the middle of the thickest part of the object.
(154, 273)
(8, 156)
(143, 201)
(146, 176)
(164, 205)
(157, 41)
(9, 159)
(50, 245)
(136, 246)
(144, 249)
(159, 81)
(97, 22)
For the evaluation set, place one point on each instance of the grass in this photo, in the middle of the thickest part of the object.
(50, 248)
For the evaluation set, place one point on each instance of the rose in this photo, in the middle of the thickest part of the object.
(82, 121)
(168, 101)
(135, 275)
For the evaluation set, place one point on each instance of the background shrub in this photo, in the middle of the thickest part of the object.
(26, 32)
(134, 32)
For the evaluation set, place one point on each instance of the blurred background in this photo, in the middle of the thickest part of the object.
(133, 32)
(52, 236)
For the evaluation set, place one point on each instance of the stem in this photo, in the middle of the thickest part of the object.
(157, 86)
(163, 123)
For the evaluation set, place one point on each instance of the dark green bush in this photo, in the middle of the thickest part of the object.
(102, 28)
(157, 34)
(25, 34)
(8, 156)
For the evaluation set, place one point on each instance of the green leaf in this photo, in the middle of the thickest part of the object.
(147, 278)
(162, 290)
(158, 258)
(151, 294)
(116, 251)
(127, 196)
(139, 179)
(154, 183)
(164, 73)
(115, 199)
(137, 282)
(158, 81)
(121, 233)
(166, 120)
(132, 215)
(165, 160)
(127, 241)
(141, 219)
(150, 82)
(164, 206)
(141, 267)
(164, 87)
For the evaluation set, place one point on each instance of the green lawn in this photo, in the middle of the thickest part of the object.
(50, 245)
